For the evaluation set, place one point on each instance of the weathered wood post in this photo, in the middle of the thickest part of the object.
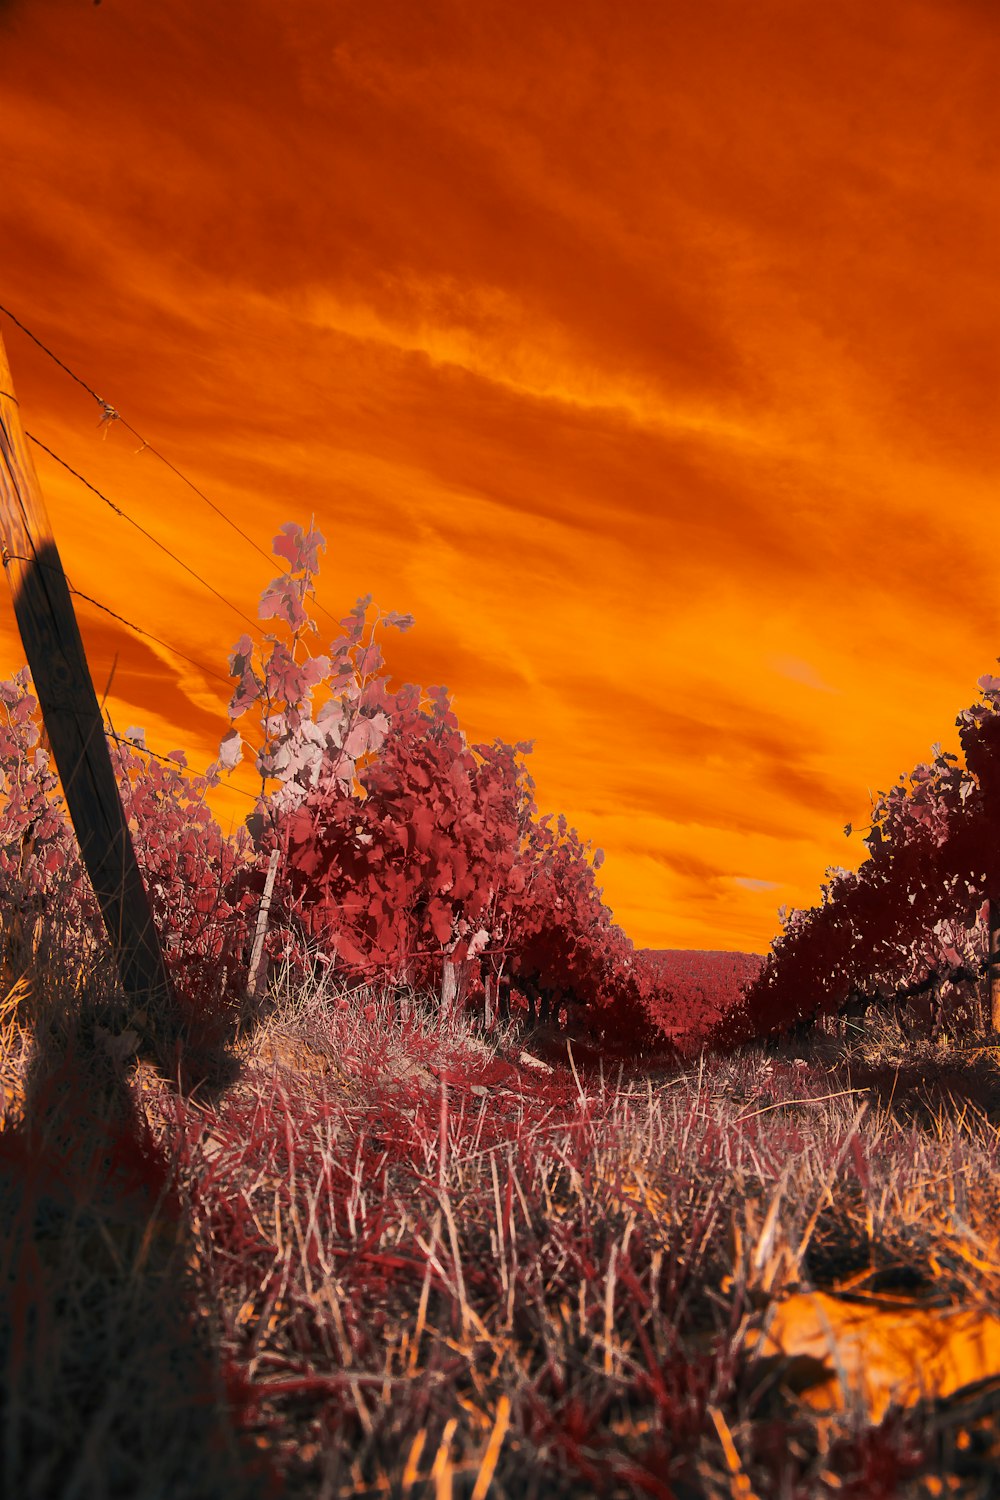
(52, 643)
(994, 964)
(257, 976)
(449, 988)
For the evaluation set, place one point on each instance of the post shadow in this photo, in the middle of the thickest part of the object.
(111, 1383)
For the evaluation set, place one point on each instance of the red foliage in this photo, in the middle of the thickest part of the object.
(202, 912)
(418, 867)
(406, 855)
(690, 990)
(40, 866)
(912, 921)
(187, 863)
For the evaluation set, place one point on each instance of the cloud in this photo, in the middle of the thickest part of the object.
(797, 670)
(647, 355)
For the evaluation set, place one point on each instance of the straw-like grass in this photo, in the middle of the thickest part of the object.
(396, 1258)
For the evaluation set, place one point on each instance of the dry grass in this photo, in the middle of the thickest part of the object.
(393, 1259)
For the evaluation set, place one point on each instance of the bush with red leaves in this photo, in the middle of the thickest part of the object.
(405, 852)
(188, 866)
(912, 923)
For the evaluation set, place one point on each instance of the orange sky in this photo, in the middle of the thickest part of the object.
(647, 354)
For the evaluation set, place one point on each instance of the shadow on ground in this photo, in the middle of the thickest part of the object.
(928, 1084)
(109, 1382)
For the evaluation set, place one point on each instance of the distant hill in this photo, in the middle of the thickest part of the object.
(694, 987)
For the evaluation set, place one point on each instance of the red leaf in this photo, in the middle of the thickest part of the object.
(300, 548)
(441, 920)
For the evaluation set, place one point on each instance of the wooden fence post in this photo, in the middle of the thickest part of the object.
(257, 975)
(52, 643)
(993, 966)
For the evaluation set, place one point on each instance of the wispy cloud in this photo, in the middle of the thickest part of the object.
(648, 355)
(797, 670)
